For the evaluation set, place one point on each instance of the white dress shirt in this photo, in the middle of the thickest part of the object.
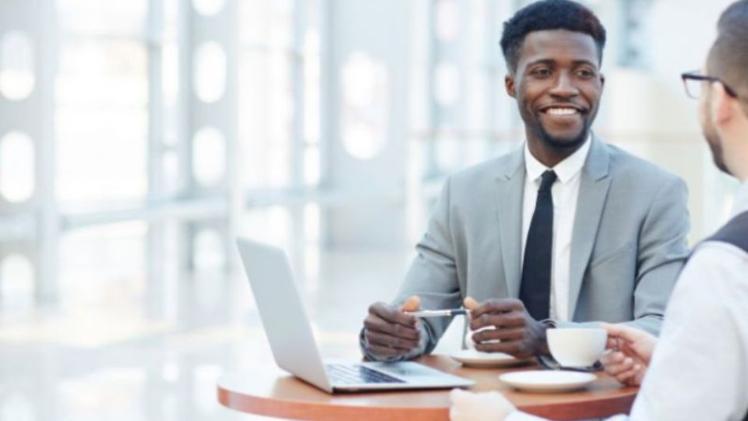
(699, 370)
(565, 193)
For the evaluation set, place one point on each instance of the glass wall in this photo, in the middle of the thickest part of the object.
(176, 125)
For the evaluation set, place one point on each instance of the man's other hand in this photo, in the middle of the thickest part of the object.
(390, 331)
(503, 325)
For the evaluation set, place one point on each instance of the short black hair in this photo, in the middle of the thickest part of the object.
(728, 57)
(549, 15)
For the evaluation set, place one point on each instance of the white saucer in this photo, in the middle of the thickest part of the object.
(547, 381)
(473, 358)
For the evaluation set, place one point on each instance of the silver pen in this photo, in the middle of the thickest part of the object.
(438, 313)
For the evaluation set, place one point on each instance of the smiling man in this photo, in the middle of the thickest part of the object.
(564, 230)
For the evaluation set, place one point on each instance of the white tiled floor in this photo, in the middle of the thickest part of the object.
(121, 357)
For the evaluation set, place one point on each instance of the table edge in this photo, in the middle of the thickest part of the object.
(274, 407)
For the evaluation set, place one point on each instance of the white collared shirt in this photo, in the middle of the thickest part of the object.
(565, 193)
(698, 370)
(699, 367)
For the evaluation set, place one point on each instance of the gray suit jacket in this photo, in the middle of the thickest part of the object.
(628, 240)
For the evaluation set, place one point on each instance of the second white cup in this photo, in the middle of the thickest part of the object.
(577, 347)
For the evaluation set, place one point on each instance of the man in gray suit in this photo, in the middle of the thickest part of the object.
(564, 230)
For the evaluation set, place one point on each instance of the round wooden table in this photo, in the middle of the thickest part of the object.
(272, 392)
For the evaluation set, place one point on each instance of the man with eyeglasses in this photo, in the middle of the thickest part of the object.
(698, 369)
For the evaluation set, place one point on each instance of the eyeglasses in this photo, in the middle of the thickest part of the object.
(694, 83)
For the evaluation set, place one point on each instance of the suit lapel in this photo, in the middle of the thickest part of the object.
(593, 190)
(510, 193)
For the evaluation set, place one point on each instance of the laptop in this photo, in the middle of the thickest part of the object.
(292, 341)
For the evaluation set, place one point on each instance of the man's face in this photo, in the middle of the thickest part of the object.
(557, 86)
(708, 129)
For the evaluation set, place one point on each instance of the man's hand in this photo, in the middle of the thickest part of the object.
(506, 327)
(629, 353)
(470, 406)
(390, 331)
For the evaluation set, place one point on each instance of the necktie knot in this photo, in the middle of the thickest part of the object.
(547, 179)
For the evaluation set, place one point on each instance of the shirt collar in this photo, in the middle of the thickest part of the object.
(741, 199)
(565, 170)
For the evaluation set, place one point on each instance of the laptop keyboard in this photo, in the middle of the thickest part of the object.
(357, 374)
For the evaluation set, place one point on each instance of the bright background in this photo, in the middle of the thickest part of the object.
(138, 138)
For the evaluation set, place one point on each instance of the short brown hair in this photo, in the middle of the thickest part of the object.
(728, 57)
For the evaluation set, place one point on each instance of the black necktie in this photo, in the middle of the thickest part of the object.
(535, 290)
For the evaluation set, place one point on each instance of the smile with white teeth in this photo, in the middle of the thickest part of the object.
(562, 111)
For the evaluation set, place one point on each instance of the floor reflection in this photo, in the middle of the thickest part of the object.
(156, 355)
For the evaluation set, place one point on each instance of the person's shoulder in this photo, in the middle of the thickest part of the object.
(718, 261)
(489, 170)
(480, 180)
(638, 176)
(626, 164)
(712, 283)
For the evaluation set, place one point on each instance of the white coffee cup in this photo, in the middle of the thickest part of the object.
(577, 347)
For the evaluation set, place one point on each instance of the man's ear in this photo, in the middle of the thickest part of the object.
(722, 105)
(509, 85)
